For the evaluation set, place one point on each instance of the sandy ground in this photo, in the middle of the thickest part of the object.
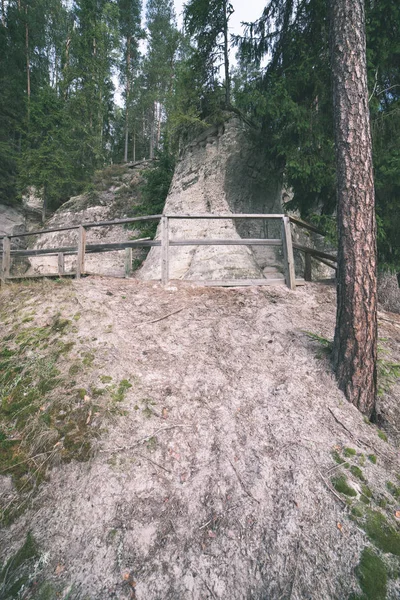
(215, 481)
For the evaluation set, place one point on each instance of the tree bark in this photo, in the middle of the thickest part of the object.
(127, 94)
(226, 56)
(355, 343)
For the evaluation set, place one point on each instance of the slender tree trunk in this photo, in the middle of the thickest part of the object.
(226, 56)
(127, 95)
(3, 13)
(153, 118)
(355, 343)
(134, 146)
(28, 68)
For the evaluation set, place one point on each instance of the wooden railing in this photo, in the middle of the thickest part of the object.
(82, 248)
(327, 259)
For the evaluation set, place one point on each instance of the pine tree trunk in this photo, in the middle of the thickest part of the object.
(355, 343)
(28, 68)
(127, 95)
(226, 57)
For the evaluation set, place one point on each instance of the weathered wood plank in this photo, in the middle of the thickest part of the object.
(80, 259)
(288, 253)
(6, 260)
(164, 250)
(61, 264)
(89, 248)
(225, 216)
(242, 282)
(305, 225)
(226, 242)
(307, 267)
(128, 262)
(315, 253)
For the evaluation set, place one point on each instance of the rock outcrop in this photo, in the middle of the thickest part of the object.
(222, 171)
(119, 189)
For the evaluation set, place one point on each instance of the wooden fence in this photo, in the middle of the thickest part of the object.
(285, 242)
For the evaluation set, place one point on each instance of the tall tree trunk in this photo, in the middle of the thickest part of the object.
(355, 343)
(28, 68)
(152, 132)
(3, 13)
(127, 95)
(226, 56)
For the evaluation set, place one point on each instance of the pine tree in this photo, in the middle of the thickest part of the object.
(131, 33)
(355, 343)
(207, 21)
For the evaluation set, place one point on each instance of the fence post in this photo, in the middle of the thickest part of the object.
(6, 260)
(128, 262)
(307, 267)
(288, 253)
(80, 259)
(164, 250)
(61, 264)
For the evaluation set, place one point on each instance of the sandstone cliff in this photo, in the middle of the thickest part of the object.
(222, 171)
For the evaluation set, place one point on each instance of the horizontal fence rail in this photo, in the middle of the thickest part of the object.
(165, 242)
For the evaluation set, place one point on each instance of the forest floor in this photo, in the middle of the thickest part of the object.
(184, 442)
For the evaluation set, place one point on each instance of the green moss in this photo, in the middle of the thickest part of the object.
(349, 452)
(105, 378)
(372, 575)
(366, 491)
(74, 369)
(372, 458)
(64, 348)
(340, 484)
(88, 358)
(382, 435)
(119, 394)
(356, 471)
(337, 458)
(381, 533)
(77, 316)
(357, 512)
(393, 489)
(59, 324)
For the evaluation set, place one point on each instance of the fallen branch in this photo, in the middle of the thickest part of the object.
(340, 423)
(161, 318)
(153, 462)
(246, 491)
(145, 439)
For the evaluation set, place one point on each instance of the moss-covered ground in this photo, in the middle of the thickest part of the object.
(46, 414)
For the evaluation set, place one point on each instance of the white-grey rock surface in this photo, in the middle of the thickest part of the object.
(222, 171)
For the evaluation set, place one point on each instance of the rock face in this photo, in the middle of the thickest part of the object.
(220, 172)
(12, 220)
(113, 202)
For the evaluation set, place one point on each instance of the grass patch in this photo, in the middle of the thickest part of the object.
(340, 484)
(382, 435)
(372, 458)
(15, 575)
(356, 471)
(349, 452)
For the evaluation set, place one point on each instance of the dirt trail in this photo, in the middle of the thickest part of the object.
(216, 480)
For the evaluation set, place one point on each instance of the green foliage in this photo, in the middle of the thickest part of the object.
(372, 575)
(340, 484)
(290, 100)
